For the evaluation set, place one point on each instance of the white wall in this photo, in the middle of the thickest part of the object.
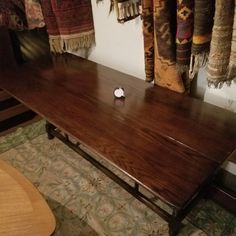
(224, 97)
(120, 46)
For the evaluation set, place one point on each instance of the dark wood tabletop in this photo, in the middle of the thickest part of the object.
(168, 142)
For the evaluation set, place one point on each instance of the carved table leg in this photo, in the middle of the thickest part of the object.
(49, 127)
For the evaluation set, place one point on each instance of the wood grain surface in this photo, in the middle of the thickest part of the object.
(23, 211)
(170, 143)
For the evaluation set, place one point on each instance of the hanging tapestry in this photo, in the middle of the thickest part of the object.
(69, 24)
(34, 14)
(232, 61)
(203, 23)
(221, 65)
(184, 34)
(12, 14)
(159, 30)
(125, 9)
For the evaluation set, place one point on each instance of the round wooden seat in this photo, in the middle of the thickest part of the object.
(23, 211)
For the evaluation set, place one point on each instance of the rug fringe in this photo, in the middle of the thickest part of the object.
(227, 78)
(72, 43)
(196, 62)
(126, 10)
(231, 74)
(219, 84)
(182, 68)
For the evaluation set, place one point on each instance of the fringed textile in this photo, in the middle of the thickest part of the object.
(69, 24)
(175, 51)
(159, 44)
(203, 23)
(231, 75)
(125, 9)
(34, 14)
(12, 14)
(184, 34)
(221, 53)
(148, 33)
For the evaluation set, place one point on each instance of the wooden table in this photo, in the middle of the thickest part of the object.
(23, 211)
(170, 144)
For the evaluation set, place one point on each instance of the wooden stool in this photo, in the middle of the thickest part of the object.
(23, 211)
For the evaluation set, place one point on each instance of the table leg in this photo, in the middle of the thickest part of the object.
(174, 220)
(174, 227)
(175, 223)
(49, 127)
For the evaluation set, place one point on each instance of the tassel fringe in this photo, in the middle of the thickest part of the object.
(227, 79)
(182, 68)
(219, 85)
(231, 75)
(126, 10)
(196, 62)
(61, 44)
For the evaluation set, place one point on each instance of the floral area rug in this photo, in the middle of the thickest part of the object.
(87, 203)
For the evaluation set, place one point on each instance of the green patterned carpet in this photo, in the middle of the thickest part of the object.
(87, 203)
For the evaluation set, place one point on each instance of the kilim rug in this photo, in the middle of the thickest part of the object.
(184, 34)
(203, 23)
(34, 15)
(232, 61)
(220, 48)
(87, 203)
(159, 23)
(69, 24)
(12, 14)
